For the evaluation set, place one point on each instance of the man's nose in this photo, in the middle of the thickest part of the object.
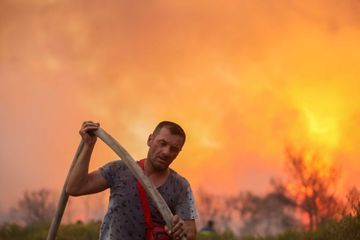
(166, 150)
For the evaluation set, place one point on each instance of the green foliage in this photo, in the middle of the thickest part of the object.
(78, 231)
(227, 235)
(347, 228)
(31, 232)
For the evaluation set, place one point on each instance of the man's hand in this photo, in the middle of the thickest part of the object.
(86, 132)
(178, 229)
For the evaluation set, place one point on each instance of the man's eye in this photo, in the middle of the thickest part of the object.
(174, 149)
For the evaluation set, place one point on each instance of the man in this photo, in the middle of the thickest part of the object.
(209, 227)
(125, 218)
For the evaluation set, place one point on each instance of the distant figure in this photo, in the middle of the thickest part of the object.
(208, 232)
(209, 227)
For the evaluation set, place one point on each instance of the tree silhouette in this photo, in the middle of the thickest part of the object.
(36, 207)
(217, 208)
(313, 186)
(268, 214)
(353, 199)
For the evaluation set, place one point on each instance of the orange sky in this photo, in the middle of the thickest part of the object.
(244, 78)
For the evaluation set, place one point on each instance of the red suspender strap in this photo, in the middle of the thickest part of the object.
(145, 206)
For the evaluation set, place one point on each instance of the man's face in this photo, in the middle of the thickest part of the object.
(163, 149)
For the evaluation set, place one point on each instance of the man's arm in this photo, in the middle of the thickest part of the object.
(190, 229)
(81, 182)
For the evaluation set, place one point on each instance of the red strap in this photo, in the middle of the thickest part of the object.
(145, 205)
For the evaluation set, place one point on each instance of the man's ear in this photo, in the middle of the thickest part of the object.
(149, 141)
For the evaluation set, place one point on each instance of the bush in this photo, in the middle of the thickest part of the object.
(78, 231)
(16, 232)
(227, 235)
(347, 228)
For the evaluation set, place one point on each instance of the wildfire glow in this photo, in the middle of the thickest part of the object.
(245, 79)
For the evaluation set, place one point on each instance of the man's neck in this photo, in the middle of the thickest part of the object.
(157, 177)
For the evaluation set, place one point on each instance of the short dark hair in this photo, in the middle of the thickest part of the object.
(174, 128)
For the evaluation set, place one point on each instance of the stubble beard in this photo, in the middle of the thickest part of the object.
(158, 164)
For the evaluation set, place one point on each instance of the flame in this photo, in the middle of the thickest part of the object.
(323, 114)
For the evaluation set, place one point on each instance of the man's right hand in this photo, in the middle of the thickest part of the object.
(86, 132)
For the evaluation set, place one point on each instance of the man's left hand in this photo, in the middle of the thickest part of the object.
(178, 229)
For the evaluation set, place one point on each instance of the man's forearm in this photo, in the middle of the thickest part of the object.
(191, 229)
(79, 175)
